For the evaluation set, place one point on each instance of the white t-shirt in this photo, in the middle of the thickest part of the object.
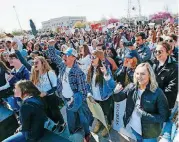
(95, 89)
(152, 46)
(66, 91)
(135, 121)
(91, 49)
(85, 63)
(44, 83)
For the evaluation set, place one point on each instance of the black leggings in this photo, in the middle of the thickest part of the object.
(52, 109)
(108, 109)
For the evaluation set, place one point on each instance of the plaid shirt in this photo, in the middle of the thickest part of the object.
(77, 78)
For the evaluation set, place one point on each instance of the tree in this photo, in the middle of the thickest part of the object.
(112, 20)
(33, 28)
(161, 15)
(17, 32)
(79, 24)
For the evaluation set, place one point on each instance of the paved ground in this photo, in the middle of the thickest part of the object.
(114, 135)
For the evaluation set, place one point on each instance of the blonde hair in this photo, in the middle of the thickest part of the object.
(133, 64)
(153, 82)
(45, 68)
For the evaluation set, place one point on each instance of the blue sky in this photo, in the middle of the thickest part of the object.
(42, 10)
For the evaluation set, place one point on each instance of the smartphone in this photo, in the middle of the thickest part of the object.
(103, 63)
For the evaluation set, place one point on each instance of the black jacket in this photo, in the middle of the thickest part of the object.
(121, 74)
(32, 117)
(154, 105)
(167, 78)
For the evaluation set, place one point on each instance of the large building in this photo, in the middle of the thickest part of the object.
(62, 21)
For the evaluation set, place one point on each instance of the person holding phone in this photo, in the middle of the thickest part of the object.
(101, 85)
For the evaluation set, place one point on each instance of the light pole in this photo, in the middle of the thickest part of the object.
(17, 17)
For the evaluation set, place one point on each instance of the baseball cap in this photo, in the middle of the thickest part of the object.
(71, 52)
(120, 27)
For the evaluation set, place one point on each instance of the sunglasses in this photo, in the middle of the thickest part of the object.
(169, 40)
(35, 63)
(93, 57)
(158, 52)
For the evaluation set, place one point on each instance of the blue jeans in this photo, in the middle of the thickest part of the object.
(19, 137)
(140, 138)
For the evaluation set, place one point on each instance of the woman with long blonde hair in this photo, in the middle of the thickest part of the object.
(45, 80)
(146, 105)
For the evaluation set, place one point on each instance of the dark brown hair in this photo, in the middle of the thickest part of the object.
(27, 88)
(166, 46)
(86, 49)
(99, 74)
(174, 37)
(13, 55)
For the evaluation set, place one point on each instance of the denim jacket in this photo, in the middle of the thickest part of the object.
(170, 129)
(78, 114)
(106, 89)
(23, 73)
(144, 53)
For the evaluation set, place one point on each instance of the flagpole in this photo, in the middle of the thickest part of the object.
(17, 18)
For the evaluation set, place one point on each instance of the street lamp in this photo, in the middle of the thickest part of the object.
(17, 17)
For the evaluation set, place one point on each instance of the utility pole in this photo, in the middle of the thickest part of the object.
(139, 9)
(129, 12)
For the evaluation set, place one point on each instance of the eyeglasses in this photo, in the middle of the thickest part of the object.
(158, 52)
(169, 40)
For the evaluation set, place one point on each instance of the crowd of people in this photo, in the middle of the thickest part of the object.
(137, 64)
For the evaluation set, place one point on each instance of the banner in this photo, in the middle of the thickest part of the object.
(118, 124)
(119, 109)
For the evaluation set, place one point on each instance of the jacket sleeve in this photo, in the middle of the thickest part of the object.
(19, 43)
(25, 116)
(55, 58)
(120, 96)
(109, 81)
(146, 55)
(82, 84)
(171, 89)
(163, 110)
(26, 74)
(23, 61)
